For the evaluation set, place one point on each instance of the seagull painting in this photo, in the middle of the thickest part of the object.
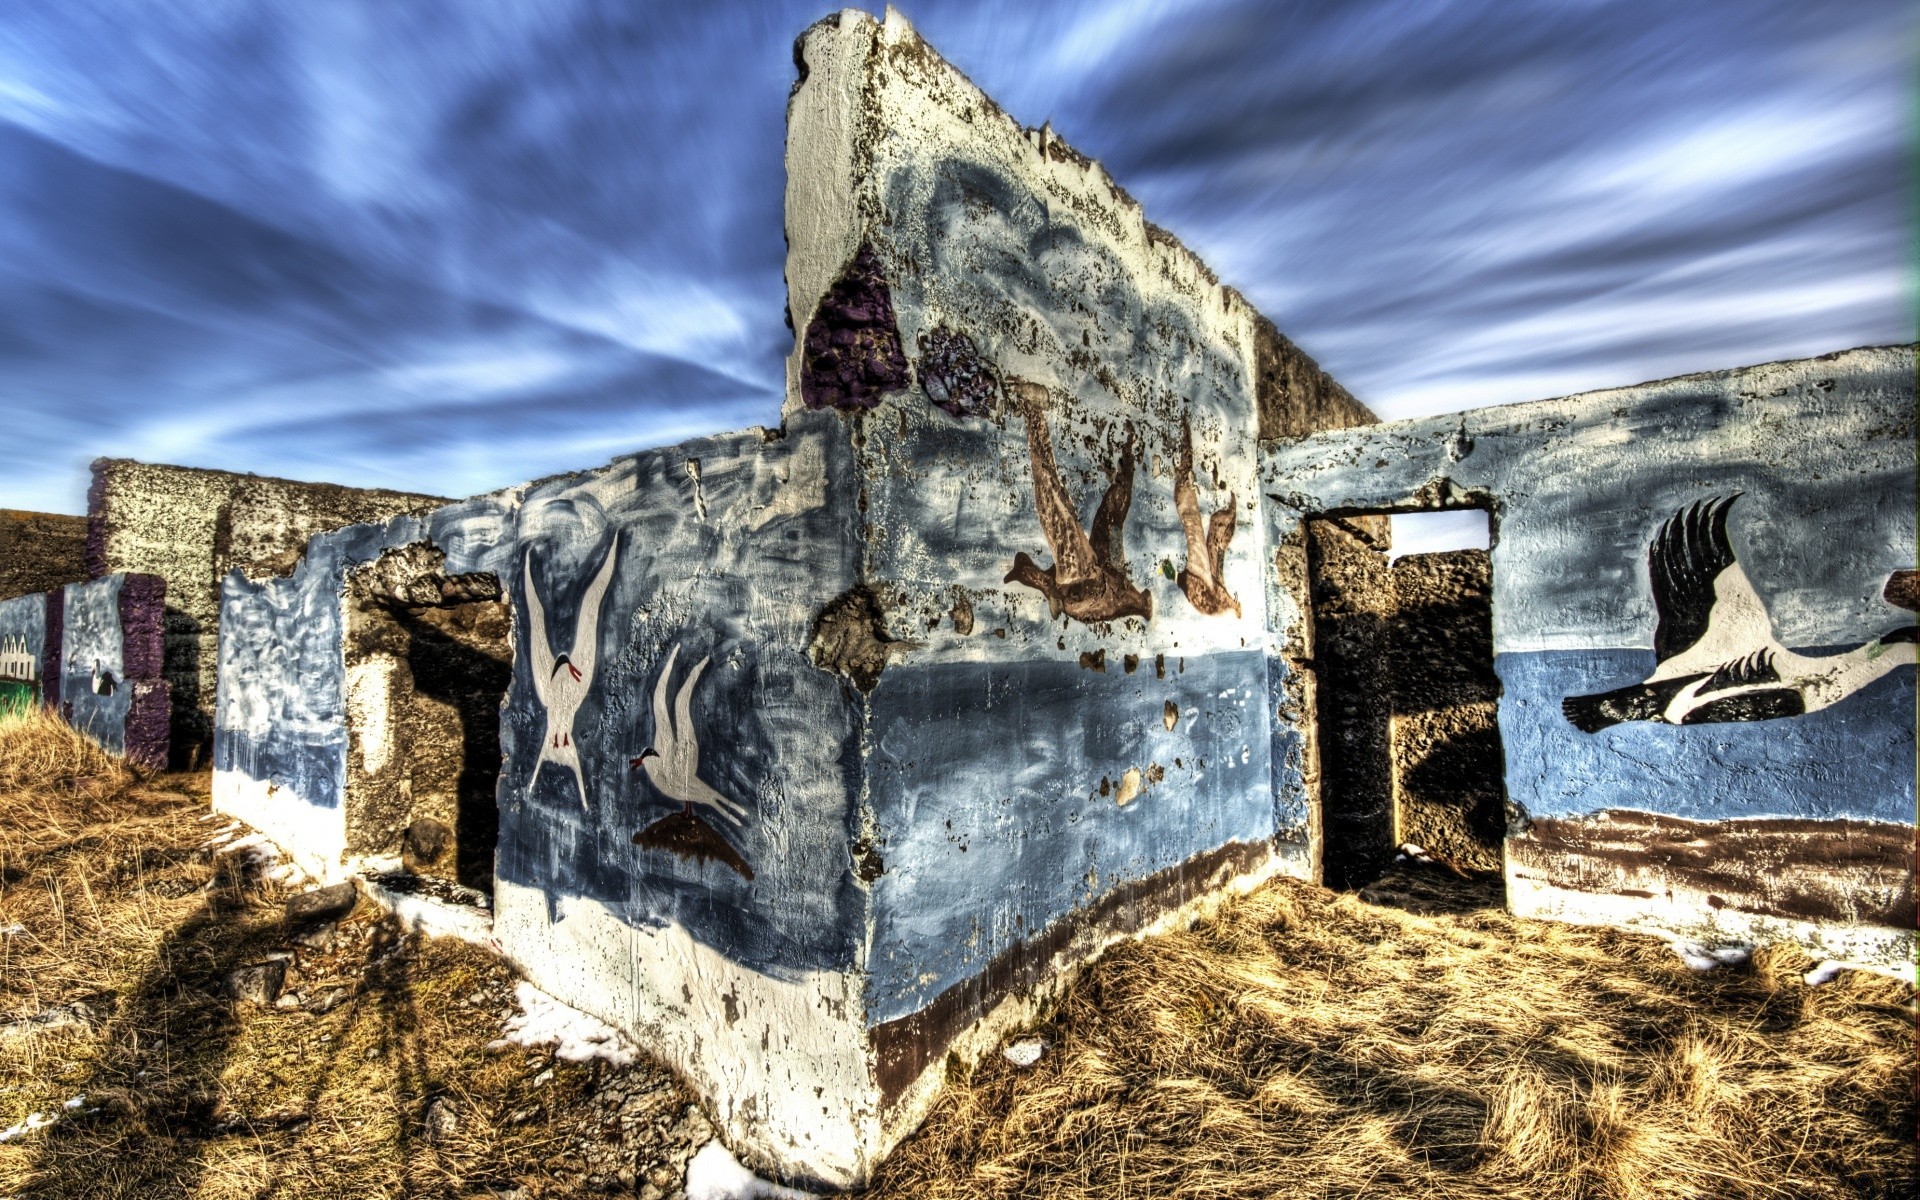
(672, 763)
(561, 683)
(1717, 657)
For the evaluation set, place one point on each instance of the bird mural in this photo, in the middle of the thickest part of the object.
(1717, 658)
(562, 682)
(1206, 547)
(672, 763)
(1088, 579)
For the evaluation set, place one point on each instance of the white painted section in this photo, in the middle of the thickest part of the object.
(314, 838)
(1685, 916)
(782, 1062)
(369, 701)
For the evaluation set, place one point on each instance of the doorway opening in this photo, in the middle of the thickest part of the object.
(429, 661)
(1411, 770)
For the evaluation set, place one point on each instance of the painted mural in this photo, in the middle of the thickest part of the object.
(630, 730)
(1088, 579)
(1206, 546)
(1714, 645)
(562, 682)
(19, 676)
(1707, 694)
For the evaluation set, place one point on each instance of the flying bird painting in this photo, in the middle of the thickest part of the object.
(1088, 579)
(1717, 657)
(562, 683)
(1200, 579)
(672, 765)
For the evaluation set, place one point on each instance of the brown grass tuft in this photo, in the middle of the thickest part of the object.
(1315, 1045)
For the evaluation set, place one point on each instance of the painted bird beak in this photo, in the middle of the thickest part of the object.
(646, 754)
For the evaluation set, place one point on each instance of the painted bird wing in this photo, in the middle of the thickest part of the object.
(1709, 613)
(586, 632)
(538, 646)
(663, 736)
(689, 745)
(1073, 558)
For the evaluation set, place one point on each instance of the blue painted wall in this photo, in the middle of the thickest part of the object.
(1821, 452)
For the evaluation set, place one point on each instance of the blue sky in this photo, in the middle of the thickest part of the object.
(453, 245)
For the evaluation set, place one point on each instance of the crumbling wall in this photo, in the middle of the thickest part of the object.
(1449, 791)
(427, 660)
(1703, 639)
(1355, 652)
(40, 551)
(676, 774)
(190, 527)
(1053, 407)
(92, 652)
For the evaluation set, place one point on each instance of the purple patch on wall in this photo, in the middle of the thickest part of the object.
(97, 522)
(149, 722)
(143, 607)
(852, 355)
(50, 657)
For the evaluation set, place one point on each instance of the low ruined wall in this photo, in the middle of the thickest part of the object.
(190, 527)
(92, 652)
(1702, 634)
(40, 551)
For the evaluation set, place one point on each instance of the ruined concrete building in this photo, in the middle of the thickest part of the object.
(1058, 608)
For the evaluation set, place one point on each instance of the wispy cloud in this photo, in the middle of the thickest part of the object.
(453, 246)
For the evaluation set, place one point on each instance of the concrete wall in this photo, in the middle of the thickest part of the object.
(190, 527)
(676, 801)
(1709, 731)
(831, 750)
(92, 651)
(40, 551)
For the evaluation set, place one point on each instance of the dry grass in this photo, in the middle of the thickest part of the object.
(1316, 1045)
(1303, 1045)
(122, 907)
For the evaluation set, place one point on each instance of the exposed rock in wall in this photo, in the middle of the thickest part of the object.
(1448, 771)
(1296, 397)
(426, 668)
(40, 551)
(190, 527)
(1354, 606)
(852, 351)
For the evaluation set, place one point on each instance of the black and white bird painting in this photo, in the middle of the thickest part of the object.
(562, 682)
(1717, 657)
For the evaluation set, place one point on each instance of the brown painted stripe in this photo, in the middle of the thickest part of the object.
(1845, 871)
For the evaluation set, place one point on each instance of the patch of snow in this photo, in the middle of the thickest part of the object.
(11, 930)
(40, 1120)
(1701, 957)
(574, 1036)
(1829, 971)
(435, 918)
(1025, 1051)
(715, 1174)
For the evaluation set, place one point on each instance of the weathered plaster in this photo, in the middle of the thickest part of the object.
(1820, 455)
(190, 527)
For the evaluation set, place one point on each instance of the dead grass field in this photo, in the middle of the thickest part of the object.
(121, 908)
(1316, 1045)
(1415, 1043)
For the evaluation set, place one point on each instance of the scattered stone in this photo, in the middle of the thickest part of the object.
(442, 1122)
(259, 983)
(319, 938)
(328, 999)
(427, 839)
(322, 904)
(48, 1020)
(1024, 1052)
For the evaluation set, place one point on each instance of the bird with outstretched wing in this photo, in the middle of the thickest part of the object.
(562, 682)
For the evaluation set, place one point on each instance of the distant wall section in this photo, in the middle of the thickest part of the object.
(40, 551)
(190, 527)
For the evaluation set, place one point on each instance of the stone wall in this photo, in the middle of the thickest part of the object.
(92, 652)
(40, 551)
(190, 527)
(1702, 635)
